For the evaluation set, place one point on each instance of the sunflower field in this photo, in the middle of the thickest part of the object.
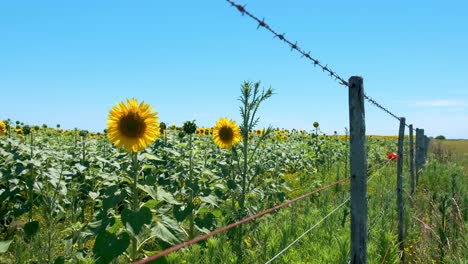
(141, 186)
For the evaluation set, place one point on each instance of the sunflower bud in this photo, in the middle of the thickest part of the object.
(83, 133)
(26, 130)
(162, 128)
(190, 127)
(316, 124)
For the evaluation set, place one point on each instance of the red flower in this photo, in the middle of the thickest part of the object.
(392, 156)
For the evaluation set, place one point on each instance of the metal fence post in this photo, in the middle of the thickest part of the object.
(401, 137)
(358, 163)
(411, 158)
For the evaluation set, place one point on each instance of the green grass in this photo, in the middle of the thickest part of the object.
(459, 149)
(456, 149)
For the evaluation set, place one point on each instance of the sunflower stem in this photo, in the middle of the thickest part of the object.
(191, 230)
(31, 137)
(83, 177)
(135, 203)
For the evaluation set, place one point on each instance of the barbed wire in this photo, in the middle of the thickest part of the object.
(230, 226)
(372, 101)
(295, 46)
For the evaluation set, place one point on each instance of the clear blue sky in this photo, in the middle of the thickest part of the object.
(69, 62)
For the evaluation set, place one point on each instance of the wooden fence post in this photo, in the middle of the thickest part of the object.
(426, 147)
(411, 157)
(358, 168)
(401, 137)
(419, 152)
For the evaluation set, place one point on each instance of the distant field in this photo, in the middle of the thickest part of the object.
(459, 150)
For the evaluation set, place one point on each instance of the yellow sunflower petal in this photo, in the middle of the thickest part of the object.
(3, 128)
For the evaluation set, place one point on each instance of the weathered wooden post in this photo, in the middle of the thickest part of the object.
(401, 137)
(411, 158)
(426, 147)
(358, 169)
(419, 152)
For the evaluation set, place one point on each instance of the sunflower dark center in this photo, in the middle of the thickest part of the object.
(132, 125)
(226, 134)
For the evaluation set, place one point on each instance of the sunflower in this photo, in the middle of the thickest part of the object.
(19, 131)
(131, 126)
(3, 129)
(201, 131)
(226, 133)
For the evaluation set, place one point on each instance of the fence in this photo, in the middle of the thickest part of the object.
(358, 164)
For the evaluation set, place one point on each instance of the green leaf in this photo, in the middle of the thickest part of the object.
(80, 167)
(102, 159)
(149, 190)
(181, 212)
(114, 196)
(163, 195)
(31, 228)
(59, 260)
(210, 199)
(4, 245)
(97, 226)
(168, 231)
(109, 246)
(117, 226)
(148, 167)
(93, 195)
(217, 213)
(152, 157)
(151, 204)
(134, 220)
(208, 172)
(165, 234)
(172, 151)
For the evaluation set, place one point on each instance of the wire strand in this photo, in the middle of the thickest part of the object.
(321, 220)
(308, 231)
